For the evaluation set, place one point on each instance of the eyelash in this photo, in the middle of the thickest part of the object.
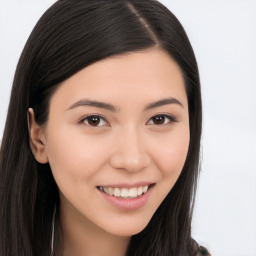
(171, 118)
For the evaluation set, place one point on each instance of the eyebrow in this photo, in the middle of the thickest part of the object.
(163, 102)
(112, 108)
(94, 103)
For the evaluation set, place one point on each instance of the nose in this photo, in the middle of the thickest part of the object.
(129, 152)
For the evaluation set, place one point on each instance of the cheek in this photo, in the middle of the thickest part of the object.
(170, 160)
(172, 153)
(73, 156)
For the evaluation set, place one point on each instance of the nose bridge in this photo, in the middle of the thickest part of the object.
(130, 150)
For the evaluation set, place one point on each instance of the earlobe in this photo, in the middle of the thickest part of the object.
(37, 139)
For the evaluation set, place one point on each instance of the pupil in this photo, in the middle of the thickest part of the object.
(94, 120)
(158, 119)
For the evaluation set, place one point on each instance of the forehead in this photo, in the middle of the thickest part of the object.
(137, 76)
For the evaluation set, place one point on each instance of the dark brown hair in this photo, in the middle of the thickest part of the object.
(71, 35)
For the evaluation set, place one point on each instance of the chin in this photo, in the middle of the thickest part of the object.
(127, 229)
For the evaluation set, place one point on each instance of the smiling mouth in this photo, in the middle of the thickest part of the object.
(125, 193)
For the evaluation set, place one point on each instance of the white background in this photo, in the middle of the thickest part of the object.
(223, 35)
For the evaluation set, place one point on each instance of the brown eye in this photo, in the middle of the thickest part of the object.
(95, 121)
(161, 120)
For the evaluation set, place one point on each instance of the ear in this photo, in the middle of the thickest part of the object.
(37, 138)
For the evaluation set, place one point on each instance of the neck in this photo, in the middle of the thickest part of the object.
(81, 237)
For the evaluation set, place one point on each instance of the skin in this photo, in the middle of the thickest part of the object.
(127, 146)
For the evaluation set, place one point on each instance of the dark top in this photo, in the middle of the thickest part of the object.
(200, 250)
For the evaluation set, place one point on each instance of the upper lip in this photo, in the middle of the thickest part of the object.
(127, 185)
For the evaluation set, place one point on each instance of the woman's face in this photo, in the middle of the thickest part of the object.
(120, 125)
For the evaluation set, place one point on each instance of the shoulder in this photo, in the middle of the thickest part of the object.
(200, 250)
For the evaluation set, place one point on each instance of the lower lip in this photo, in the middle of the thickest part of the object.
(128, 204)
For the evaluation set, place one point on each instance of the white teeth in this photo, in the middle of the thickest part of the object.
(110, 191)
(125, 192)
(117, 192)
(140, 191)
(145, 189)
(133, 192)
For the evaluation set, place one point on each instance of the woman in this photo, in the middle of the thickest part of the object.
(100, 151)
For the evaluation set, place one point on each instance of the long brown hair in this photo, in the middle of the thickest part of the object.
(69, 36)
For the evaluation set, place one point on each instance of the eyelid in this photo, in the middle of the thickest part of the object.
(82, 120)
(172, 119)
